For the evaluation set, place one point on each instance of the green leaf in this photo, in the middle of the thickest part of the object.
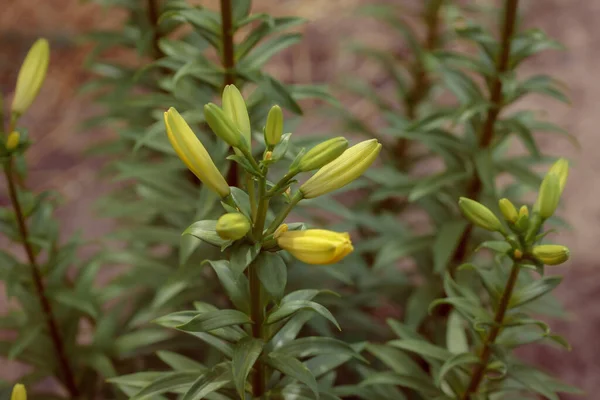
(24, 340)
(179, 362)
(295, 369)
(212, 320)
(289, 308)
(242, 200)
(484, 167)
(272, 273)
(456, 338)
(534, 291)
(316, 345)
(241, 256)
(435, 183)
(445, 243)
(79, 301)
(456, 361)
(169, 382)
(395, 250)
(424, 386)
(279, 94)
(209, 382)
(245, 354)
(422, 348)
(397, 360)
(135, 340)
(262, 53)
(237, 287)
(206, 231)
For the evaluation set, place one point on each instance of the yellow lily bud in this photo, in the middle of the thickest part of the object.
(223, 127)
(343, 170)
(268, 155)
(523, 211)
(480, 215)
(191, 151)
(551, 254)
(235, 108)
(548, 197)
(18, 392)
(561, 169)
(316, 246)
(322, 154)
(12, 141)
(508, 210)
(281, 229)
(31, 76)
(274, 127)
(232, 226)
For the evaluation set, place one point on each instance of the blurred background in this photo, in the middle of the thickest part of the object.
(58, 160)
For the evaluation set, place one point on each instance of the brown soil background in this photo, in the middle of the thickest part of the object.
(58, 163)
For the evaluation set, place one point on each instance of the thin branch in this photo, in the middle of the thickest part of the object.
(67, 372)
(487, 133)
(486, 351)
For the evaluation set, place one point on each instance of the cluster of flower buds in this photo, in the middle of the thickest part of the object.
(524, 229)
(337, 166)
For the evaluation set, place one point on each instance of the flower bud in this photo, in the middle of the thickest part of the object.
(191, 151)
(268, 155)
(523, 211)
(322, 154)
(343, 170)
(31, 76)
(480, 215)
(281, 229)
(561, 169)
(223, 127)
(12, 141)
(235, 109)
(508, 210)
(548, 197)
(551, 254)
(18, 392)
(274, 127)
(316, 246)
(232, 226)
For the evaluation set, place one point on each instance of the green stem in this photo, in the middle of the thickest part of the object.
(57, 340)
(486, 351)
(263, 208)
(487, 132)
(257, 314)
(282, 182)
(250, 188)
(284, 213)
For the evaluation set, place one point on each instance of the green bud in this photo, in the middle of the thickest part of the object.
(548, 197)
(509, 211)
(274, 127)
(551, 254)
(232, 226)
(342, 170)
(223, 127)
(322, 154)
(561, 169)
(31, 76)
(235, 108)
(480, 215)
(12, 141)
(523, 212)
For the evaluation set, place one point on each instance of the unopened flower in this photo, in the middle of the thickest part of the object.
(224, 127)
(508, 209)
(480, 215)
(232, 226)
(316, 246)
(561, 169)
(346, 168)
(31, 76)
(191, 151)
(549, 196)
(281, 229)
(274, 126)
(18, 392)
(551, 254)
(235, 109)
(322, 154)
(12, 141)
